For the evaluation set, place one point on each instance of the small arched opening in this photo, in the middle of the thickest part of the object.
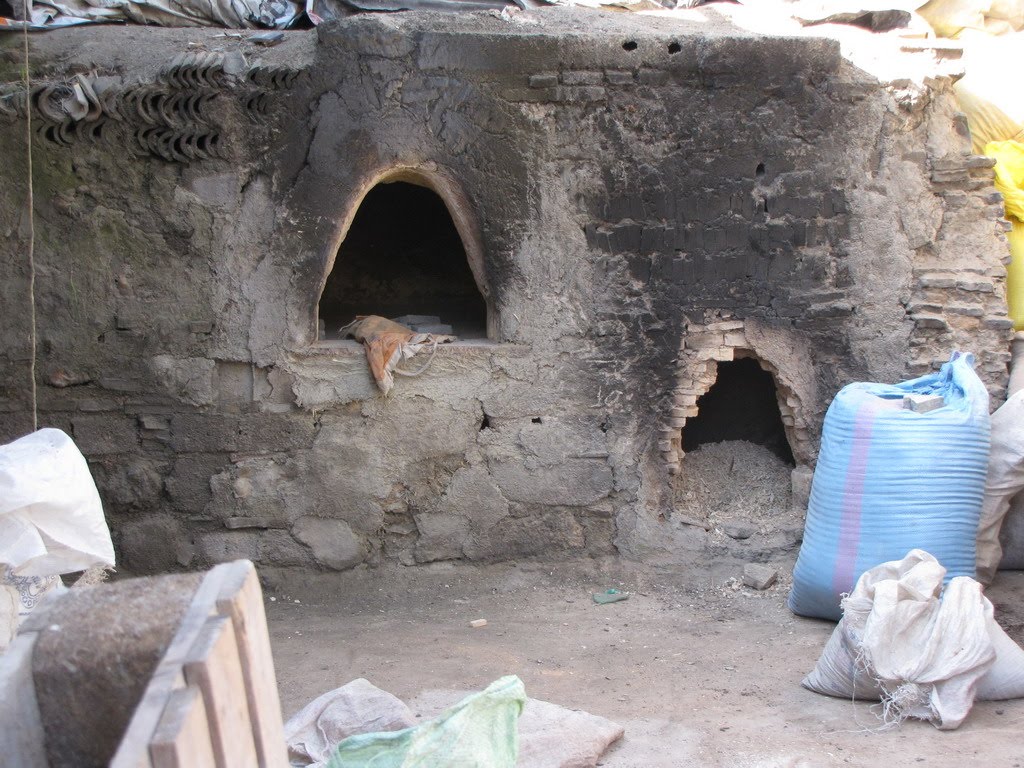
(735, 476)
(742, 405)
(403, 258)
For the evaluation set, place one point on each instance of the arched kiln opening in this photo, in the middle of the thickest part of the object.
(402, 256)
(742, 404)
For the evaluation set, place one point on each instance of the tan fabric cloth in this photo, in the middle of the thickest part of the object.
(387, 344)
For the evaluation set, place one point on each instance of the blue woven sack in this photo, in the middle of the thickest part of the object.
(890, 480)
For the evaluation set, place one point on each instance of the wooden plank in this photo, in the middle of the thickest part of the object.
(241, 599)
(182, 737)
(214, 668)
(21, 730)
(133, 751)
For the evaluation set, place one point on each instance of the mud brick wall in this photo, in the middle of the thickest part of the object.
(638, 201)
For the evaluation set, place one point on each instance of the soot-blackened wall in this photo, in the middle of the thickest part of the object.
(637, 201)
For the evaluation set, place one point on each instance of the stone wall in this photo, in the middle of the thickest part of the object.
(637, 201)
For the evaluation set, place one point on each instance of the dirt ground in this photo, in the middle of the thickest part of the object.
(697, 672)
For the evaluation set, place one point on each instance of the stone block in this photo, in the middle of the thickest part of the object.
(917, 307)
(121, 384)
(104, 434)
(554, 441)
(155, 545)
(951, 177)
(571, 94)
(619, 77)
(937, 281)
(278, 548)
(273, 386)
(998, 323)
(129, 483)
(930, 321)
(724, 325)
(225, 546)
(154, 422)
(682, 401)
(441, 536)
(534, 534)
(759, 576)
(652, 76)
(189, 380)
(333, 543)
(575, 482)
(272, 547)
(188, 484)
(200, 432)
(979, 286)
(979, 161)
(704, 340)
(967, 310)
(922, 403)
(721, 354)
(548, 80)
(582, 77)
(472, 494)
(272, 433)
(234, 383)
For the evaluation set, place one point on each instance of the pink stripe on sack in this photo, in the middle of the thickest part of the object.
(853, 498)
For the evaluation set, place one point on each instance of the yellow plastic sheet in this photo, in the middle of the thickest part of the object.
(1009, 156)
(1015, 275)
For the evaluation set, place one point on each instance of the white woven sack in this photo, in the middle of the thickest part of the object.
(1005, 479)
(923, 656)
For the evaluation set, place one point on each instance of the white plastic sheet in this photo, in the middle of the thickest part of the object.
(231, 14)
(51, 518)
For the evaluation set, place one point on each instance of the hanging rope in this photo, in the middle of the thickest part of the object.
(31, 225)
(424, 367)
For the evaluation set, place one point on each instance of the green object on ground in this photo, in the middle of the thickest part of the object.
(610, 596)
(481, 731)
